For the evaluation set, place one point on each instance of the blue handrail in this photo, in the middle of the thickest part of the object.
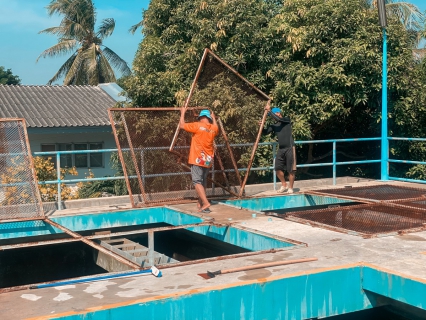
(334, 162)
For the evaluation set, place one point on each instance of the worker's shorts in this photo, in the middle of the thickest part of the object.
(285, 160)
(199, 175)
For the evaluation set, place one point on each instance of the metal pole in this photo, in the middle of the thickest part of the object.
(334, 163)
(384, 140)
(58, 175)
(274, 153)
(151, 248)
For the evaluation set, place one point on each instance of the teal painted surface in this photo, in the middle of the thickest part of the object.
(301, 297)
(283, 202)
(97, 221)
(242, 238)
(176, 218)
(395, 287)
(12, 230)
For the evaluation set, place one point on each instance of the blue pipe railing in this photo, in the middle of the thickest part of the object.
(333, 164)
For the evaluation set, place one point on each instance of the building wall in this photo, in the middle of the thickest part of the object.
(40, 136)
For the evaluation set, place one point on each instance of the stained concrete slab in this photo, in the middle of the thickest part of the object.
(401, 254)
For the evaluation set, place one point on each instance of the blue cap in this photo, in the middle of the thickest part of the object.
(275, 110)
(205, 113)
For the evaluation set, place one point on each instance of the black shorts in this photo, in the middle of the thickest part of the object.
(285, 159)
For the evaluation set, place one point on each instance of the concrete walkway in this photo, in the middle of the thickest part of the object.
(401, 254)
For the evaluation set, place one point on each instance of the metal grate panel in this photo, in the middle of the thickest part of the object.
(379, 192)
(239, 105)
(19, 194)
(419, 203)
(367, 220)
(154, 174)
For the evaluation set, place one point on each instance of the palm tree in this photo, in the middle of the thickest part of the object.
(90, 62)
(409, 15)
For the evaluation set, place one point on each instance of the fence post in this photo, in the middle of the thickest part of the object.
(58, 174)
(334, 163)
(274, 153)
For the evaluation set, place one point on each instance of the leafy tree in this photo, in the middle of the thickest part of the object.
(91, 62)
(175, 35)
(320, 60)
(46, 171)
(7, 77)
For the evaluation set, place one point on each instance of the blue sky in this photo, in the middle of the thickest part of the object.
(21, 20)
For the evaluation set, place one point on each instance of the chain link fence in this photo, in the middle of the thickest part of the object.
(19, 195)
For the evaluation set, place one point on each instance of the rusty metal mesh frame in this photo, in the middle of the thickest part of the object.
(211, 66)
(153, 173)
(19, 195)
(376, 193)
(366, 220)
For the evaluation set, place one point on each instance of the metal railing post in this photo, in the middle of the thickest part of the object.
(58, 175)
(334, 163)
(151, 247)
(274, 153)
(385, 143)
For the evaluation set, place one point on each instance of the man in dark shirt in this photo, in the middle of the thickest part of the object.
(285, 159)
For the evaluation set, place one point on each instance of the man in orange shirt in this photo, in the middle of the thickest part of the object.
(201, 152)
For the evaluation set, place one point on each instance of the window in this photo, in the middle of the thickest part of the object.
(83, 160)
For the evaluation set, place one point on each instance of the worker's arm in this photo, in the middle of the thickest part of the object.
(182, 118)
(279, 119)
(214, 118)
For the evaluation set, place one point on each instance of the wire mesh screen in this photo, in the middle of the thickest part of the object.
(154, 174)
(238, 104)
(19, 195)
(379, 192)
(367, 219)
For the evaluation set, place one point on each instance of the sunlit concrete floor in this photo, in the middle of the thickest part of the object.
(404, 254)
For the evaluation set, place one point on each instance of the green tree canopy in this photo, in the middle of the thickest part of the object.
(91, 62)
(7, 77)
(320, 60)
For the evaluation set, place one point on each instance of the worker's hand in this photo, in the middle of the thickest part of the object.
(212, 114)
(268, 107)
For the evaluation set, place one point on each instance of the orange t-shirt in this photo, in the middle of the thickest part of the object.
(201, 152)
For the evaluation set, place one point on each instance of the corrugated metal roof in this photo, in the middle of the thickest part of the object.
(56, 106)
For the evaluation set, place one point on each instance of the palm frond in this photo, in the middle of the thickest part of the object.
(106, 28)
(106, 73)
(74, 69)
(135, 27)
(409, 14)
(63, 69)
(63, 47)
(115, 60)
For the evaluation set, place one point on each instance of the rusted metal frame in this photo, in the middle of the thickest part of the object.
(231, 154)
(250, 163)
(251, 85)
(94, 245)
(11, 119)
(160, 229)
(210, 180)
(191, 92)
(140, 109)
(326, 226)
(132, 153)
(22, 219)
(120, 154)
(36, 244)
(219, 159)
(32, 168)
(215, 182)
(331, 195)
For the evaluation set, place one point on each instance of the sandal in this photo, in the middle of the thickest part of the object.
(206, 210)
